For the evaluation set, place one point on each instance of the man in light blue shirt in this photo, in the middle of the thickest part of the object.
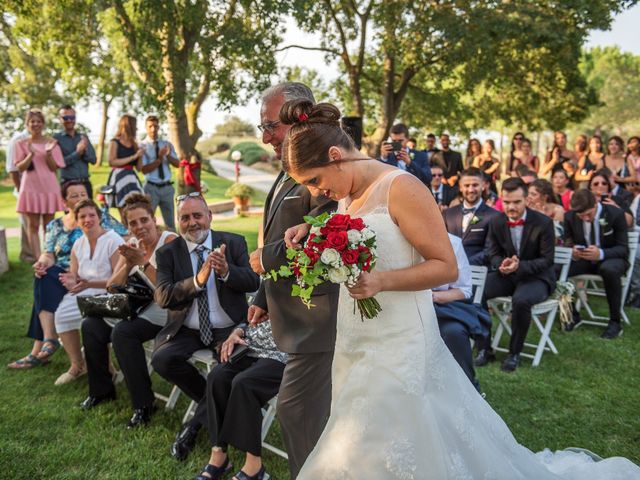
(156, 161)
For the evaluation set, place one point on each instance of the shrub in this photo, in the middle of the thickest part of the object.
(251, 152)
(239, 190)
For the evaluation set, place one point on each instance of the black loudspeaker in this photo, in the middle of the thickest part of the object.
(353, 126)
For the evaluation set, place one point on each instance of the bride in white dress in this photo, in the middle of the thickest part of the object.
(401, 407)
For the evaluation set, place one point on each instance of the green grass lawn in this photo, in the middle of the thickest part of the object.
(586, 396)
(217, 187)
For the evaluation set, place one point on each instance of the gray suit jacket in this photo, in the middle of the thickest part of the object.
(296, 329)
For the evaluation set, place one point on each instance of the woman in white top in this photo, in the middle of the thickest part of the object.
(93, 258)
(127, 337)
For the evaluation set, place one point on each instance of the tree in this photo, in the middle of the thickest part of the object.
(615, 76)
(181, 51)
(235, 126)
(435, 61)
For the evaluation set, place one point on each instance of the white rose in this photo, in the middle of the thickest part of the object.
(339, 275)
(330, 257)
(354, 236)
(367, 234)
(315, 230)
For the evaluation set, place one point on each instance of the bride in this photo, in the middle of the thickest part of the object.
(401, 406)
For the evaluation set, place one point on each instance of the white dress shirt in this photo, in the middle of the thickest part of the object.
(466, 219)
(586, 226)
(217, 315)
(516, 233)
(463, 282)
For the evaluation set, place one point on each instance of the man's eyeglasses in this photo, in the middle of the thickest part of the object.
(68, 118)
(181, 198)
(268, 127)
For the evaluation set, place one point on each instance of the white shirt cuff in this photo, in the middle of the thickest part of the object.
(226, 277)
(195, 282)
(601, 254)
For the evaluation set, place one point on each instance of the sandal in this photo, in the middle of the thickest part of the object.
(216, 472)
(29, 361)
(49, 347)
(261, 475)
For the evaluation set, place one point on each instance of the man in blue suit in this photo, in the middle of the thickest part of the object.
(397, 153)
(470, 220)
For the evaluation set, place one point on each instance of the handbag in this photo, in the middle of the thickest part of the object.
(124, 302)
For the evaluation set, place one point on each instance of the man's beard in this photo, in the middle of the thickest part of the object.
(196, 236)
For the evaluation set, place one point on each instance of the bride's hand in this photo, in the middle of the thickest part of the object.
(294, 235)
(368, 284)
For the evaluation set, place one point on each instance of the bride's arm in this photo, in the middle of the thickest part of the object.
(415, 211)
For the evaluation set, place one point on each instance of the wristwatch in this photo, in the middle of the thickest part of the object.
(144, 266)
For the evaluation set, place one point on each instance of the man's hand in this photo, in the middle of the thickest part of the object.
(203, 274)
(229, 344)
(509, 265)
(591, 253)
(385, 150)
(576, 252)
(256, 315)
(404, 156)
(255, 261)
(293, 235)
(163, 152)
(219, 261)
(82, 145)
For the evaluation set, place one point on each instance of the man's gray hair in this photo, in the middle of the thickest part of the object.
(290, 91)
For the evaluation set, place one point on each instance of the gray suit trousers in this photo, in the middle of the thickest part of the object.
(304, 401)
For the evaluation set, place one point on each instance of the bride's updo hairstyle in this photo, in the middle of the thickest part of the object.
(314, 129)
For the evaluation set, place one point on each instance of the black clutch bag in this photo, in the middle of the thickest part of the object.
(105, 305)
(239, 351)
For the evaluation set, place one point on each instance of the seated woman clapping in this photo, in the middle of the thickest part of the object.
(93, 257)
(128, 336)
(236, 393)
(48, 290)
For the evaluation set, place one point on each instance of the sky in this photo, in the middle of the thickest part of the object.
(623, 33)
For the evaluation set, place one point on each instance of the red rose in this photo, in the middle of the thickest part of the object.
(313, 256)
(338, 240)
(338, 222)
(356, 224)
(349, 257)
(296, 270)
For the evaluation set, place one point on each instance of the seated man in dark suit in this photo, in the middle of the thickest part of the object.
(413, 161)
(598, 234)
(521, 253)
(442, 192)
(459, 319)
(237, 389)
(470, 220)
(202, 280)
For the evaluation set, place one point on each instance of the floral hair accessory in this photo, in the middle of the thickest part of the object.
(302, 117)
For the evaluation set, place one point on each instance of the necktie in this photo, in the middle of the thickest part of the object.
(592, 235)
(466, 211)
(517, 223)
(160, 167)
(437, 195)
(206, 330)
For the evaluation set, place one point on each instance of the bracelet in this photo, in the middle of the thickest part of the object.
(144, 266)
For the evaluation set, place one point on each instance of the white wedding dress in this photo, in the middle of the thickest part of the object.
(403, 409)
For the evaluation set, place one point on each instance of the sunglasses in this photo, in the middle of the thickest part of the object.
(437, 175)
(599, 184)
(181, 198)
(68, 118)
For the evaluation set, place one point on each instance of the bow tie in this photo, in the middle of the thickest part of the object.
(517, 223)
(466, 211)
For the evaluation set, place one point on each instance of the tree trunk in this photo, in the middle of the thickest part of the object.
(106, 103)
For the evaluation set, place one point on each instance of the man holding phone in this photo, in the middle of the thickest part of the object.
(395, 152)
(598, 234)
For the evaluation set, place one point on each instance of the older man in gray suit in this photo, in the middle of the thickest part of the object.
(308, 336)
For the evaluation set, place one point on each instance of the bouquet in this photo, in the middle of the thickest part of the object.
(338, 249)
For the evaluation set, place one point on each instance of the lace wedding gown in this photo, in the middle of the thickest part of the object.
(401, 406)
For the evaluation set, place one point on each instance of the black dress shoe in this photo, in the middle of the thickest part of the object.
(91, 401)
(511, 362)
(141, 416)
(613, 330)
(185, 441)
(484, 356)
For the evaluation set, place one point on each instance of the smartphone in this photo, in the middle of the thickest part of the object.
(580, 247)
(396, 146)
(605, 196)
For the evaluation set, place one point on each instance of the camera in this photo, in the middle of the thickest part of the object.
(396, 146)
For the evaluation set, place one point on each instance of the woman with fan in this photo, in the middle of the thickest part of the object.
(136, 264)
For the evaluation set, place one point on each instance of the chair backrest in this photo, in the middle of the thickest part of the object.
(634, 236)
(562, 257)
(478, 279)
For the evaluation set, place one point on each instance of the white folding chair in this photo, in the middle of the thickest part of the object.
(269, 415)
(203, 357)
(478, 279)
(591, 284)
(502, 308)
(171, 400)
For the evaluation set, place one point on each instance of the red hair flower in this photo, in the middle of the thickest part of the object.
(302, 117)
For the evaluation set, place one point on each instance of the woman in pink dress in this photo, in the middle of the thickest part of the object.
(38, 158)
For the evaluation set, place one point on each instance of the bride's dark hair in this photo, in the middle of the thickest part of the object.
(314, 129)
